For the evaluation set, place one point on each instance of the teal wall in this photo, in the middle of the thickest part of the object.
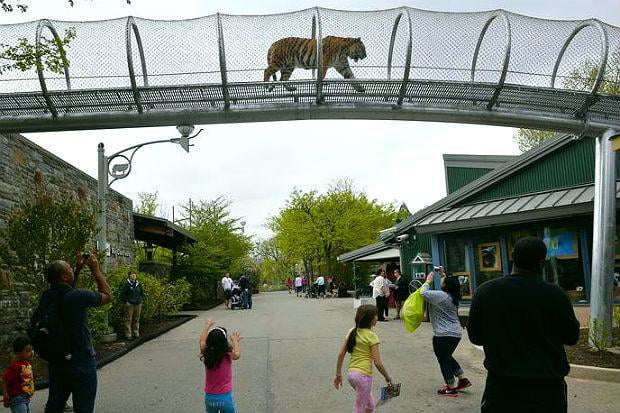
(457, 177)
(572, 165)
(410, 248)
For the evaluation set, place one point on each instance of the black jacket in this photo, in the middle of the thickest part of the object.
(523, 324)
(402, 292)
(132, 293)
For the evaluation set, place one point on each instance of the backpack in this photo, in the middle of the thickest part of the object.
(46, 330)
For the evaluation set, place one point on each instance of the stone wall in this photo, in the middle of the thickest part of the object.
(15, 310)
(20, 159)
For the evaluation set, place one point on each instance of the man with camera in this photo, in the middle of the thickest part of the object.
(76, 372)
(523, 323)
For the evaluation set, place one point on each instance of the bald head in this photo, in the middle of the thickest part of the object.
(58, 271)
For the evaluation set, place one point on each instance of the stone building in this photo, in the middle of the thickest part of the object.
(20, 160)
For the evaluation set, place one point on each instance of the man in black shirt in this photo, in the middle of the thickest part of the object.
(78, 375)
(523, 324)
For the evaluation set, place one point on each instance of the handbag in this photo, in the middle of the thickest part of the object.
(413, 311)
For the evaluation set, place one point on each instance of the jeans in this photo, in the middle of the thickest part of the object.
(77, 377)
(20, 404)
(443, 348)
(246, 299)
(542, 395)
(219, 403)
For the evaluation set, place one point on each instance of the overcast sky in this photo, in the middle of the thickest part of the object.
(257, 165)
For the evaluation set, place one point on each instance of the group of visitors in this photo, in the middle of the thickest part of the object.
(382, 289)
(237, 295)
(317, 289)
(522, 322)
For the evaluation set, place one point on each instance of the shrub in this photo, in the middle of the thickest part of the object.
(600, 335)
(162, 298)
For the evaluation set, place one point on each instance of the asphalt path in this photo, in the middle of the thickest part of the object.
(287, 365)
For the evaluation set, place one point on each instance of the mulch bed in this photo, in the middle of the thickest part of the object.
(583, 354)
(108, 352)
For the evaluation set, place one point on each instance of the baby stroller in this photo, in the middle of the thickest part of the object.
(235, 299)
(313, 291)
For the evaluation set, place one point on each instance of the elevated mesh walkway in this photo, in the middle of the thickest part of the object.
(490, 67)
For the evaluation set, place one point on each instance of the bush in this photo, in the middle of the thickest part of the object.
(162, 298)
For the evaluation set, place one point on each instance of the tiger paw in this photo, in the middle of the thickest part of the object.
(359, 88)
(290, 88)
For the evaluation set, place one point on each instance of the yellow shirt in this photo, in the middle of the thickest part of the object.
(361, 357)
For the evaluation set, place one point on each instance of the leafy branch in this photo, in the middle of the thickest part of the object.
(24, 56)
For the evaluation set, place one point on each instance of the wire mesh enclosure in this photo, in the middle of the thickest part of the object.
(403, 57)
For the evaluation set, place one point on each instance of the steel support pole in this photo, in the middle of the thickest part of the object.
(603, 245)
(102, 204)
(102, 224)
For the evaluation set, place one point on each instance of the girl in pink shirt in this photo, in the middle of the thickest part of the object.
(217, 353)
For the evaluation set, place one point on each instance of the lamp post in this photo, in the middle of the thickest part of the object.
(120, 171)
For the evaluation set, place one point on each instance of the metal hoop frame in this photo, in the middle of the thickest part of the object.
(604, 52)
(392, 41)
(590, 100)
(132, 26)
(507, 46)
(48, 101)
(319, 58)
(403, 86)
(313, 36)
(222, 56)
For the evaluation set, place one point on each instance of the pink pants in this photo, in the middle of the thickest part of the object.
(363, 391)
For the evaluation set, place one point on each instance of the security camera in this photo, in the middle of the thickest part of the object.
(401, 238)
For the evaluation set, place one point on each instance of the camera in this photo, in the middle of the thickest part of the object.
(439, 268)
(401, 238)
(85, 256)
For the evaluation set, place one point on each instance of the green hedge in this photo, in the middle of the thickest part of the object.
(162, 298)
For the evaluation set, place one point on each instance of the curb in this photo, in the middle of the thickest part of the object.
(182, 319)
(578, 371)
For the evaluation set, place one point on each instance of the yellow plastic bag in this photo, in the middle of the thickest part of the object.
(413, 311)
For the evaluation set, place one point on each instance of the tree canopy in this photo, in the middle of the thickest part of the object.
(314, 228)
(221, 247)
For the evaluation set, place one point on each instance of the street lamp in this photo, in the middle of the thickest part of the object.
(118, 166)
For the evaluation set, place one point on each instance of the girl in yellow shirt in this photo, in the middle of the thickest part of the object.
(363, 345)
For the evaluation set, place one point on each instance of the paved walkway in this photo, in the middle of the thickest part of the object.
(287, 365)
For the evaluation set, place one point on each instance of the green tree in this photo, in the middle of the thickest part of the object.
(221, 247)
(582, 79)
(528, 139)
(316, 228)
(47, 226)
(148, 203)
(24, 56)
(276, 263)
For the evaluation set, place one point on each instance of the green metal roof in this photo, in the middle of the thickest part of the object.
(485, 182)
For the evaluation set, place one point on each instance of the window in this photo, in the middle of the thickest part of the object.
(458, 264)
(564, 265)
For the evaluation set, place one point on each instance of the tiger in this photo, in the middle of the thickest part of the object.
(286, 54)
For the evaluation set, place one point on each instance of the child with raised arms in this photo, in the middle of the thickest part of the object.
(218, 351)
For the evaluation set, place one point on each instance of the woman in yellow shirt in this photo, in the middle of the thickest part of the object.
(363, 344)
